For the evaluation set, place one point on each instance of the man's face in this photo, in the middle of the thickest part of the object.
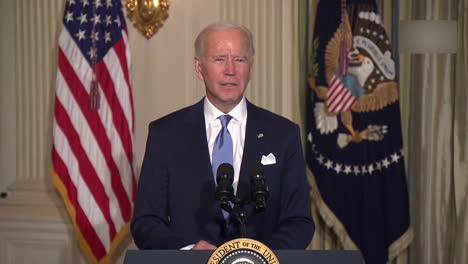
(225, 67)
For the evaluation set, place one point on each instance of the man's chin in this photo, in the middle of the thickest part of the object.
(229, 99)
(233, 101)
(226, 104)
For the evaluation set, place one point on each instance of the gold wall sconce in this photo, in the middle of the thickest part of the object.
(147, 15)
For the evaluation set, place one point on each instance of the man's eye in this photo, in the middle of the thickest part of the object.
(240, 60)
(219, 59)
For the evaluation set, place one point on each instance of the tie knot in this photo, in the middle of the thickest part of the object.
(225, 120)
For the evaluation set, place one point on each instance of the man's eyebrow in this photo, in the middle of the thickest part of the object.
(225, 55)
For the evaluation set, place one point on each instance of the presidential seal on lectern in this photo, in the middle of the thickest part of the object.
(243, 251)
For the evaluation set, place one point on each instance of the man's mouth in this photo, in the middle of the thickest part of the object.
(229, 84)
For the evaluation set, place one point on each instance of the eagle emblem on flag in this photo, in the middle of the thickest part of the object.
(368, 83)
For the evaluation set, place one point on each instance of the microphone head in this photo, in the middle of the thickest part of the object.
(256, 170)
(225, 174)
(224, 178)
(259, 188)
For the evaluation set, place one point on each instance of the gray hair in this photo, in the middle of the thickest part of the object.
(220, 26)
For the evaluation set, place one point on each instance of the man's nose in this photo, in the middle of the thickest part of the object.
(230, 67)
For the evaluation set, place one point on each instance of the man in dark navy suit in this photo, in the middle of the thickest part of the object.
(175, 206)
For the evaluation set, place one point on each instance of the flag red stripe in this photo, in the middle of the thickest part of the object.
(349, 101)
(334, 92)
(335, 102)
(346, 103)
(339, 100)
(89, 234)
(338, 92)
(88, 173)
(118, 115)
(122, 128)
(333, 87)
(120, 49)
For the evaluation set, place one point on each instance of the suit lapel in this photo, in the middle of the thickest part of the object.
(253, 148)
(199, 146)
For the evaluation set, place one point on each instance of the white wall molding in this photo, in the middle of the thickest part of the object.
(34, 227)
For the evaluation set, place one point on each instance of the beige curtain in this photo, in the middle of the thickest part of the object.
(438, 146)
(460, 140)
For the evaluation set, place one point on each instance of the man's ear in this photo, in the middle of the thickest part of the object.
(198, 68)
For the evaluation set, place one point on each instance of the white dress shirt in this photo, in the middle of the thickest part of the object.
(236, 128)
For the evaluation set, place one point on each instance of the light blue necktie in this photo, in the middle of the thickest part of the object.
(222, 149)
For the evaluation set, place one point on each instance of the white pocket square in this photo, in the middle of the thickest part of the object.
(268, 160)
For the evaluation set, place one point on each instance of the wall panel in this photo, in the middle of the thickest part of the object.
(36, 23)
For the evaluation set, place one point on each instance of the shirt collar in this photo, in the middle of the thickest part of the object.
(239, 112)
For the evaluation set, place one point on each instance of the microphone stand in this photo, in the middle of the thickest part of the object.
(241, 214)
(234, 205)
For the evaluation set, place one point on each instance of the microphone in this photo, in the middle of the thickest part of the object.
(224, 190)
(259, 189)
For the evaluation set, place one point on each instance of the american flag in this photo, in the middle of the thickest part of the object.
(92, 152)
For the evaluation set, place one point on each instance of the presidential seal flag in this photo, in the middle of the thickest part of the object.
(354, 141)
(92, 152)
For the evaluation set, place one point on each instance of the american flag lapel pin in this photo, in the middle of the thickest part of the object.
(260, 135)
